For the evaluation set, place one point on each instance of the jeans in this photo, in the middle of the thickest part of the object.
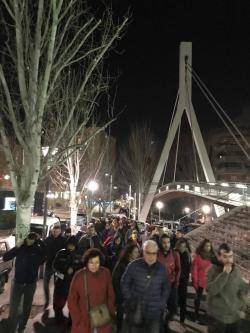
(48, 273)
(20, 311)
(197, 301)
(215, 326)
(149, 326)
(172, 302)
(182, 296)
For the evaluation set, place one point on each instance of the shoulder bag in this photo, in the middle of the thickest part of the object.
(100, 315)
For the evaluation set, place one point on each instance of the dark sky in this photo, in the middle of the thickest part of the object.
(148, 82)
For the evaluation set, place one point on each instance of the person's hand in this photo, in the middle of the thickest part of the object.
(242, 314)
(227, 268)
(70, 271)
(19, 244)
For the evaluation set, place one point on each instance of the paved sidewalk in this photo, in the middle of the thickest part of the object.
(44, 322)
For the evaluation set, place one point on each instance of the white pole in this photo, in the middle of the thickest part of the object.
(139, 206)
(134, 206)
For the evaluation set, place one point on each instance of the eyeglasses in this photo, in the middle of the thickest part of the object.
(151, 253)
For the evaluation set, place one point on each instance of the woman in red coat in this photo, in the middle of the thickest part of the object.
(201, 264)
(100, 291)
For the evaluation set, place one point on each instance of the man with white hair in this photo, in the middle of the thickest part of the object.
(145, 287)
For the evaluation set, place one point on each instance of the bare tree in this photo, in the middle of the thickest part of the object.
(44, 39)
(138, 160)
(90, 162)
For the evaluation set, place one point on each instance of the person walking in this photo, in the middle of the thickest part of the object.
(91, 290)
(53, 243)
(171, 261)
(66, 263)
(201, 264)
(226, 294)
(89, 241)
(145, 288)
(29, 254)
(182, 248)
(130, 253)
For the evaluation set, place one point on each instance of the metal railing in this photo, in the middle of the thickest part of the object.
(235, 194)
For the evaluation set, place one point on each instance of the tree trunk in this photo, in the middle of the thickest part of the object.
(73, 206)
(23, 217)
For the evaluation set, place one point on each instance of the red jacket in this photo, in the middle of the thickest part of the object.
(171, 262)
(200, 267)
(100, 291)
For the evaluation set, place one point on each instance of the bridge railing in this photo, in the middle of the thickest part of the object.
(232, 193)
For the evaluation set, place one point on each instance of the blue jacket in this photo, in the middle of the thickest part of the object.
(134, 283)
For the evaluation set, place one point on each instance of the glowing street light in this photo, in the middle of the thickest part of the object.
(186, 210)
(159, 205)
(93, 186)
(206, 209)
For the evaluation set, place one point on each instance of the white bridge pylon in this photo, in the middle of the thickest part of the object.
(184, 104)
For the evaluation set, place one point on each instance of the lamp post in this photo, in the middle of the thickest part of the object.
(110, 189)
(206, 210)
(159, 205)
(92, 187)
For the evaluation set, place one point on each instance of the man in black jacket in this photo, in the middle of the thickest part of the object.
(145, 288)
(54, 243)
(29, 255)
(66, 263)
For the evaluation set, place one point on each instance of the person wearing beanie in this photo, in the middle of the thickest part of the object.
(66, 263)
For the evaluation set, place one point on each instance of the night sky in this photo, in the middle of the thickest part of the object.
(148, 66)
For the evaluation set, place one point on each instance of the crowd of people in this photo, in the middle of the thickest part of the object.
(113, 280)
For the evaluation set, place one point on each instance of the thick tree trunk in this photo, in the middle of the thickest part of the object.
(23, 217)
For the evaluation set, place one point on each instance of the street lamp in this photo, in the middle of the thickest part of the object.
(186, 210)
(93, 186)
(159, 205)
(206, 209)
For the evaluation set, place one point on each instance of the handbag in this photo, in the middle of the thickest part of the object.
(99, 315)
(135, 315)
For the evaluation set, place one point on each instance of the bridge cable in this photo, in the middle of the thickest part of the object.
(171, 121)
(194, 73)
(221, 117)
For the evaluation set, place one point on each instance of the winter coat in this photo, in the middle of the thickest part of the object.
(186, 262)
(28, 260)
(171, 262)
(118, 272)
(133, 286)
(113, 252)
(63, 261)
(226, 294)
(52, 246)
(106, 234)
(100, 291)
(200, 266)
(88, 242)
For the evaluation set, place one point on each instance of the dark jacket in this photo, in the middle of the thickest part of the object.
(186, 263)
(118, 272)
(28, 260)
(63, 261)
(53, 245)
(87, 242)
(134, 283)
